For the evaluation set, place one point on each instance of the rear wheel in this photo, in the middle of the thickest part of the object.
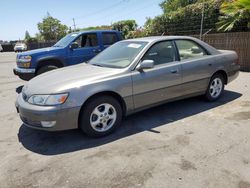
(215, 88)
(46, 68)
(100, 116)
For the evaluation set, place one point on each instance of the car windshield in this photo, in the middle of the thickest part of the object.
(119, 55)
(19, 44)
(66, 40)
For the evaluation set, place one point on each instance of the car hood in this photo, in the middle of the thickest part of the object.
(64, 79)
(41, 50)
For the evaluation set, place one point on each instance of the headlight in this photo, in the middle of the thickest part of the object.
(48, 100)
(24, 59)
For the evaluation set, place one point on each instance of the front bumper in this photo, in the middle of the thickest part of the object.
(20, 49)
(24, 73)
(33, 115)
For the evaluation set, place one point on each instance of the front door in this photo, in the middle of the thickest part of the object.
(160, 83)
(89, 46)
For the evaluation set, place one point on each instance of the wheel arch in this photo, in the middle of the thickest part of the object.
(50, 61)
(105, 93)
(223, 73)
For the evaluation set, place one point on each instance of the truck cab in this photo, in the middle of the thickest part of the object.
(73, 49)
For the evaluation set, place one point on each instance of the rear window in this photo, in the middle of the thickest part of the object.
(109, 38)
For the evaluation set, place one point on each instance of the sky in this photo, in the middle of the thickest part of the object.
(18, 16)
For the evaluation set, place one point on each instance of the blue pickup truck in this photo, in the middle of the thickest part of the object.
(74, 48)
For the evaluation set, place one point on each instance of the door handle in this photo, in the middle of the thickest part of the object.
(174, 71)
(210, 64)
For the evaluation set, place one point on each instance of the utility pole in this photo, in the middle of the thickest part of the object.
(74, 24)
(202, 20)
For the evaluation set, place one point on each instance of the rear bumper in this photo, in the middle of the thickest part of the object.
(233, 74)
(24, 74)
(60, 119)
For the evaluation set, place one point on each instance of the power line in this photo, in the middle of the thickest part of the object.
(130, 12)
(102, 10)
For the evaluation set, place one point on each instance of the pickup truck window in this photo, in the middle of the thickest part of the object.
(65, 40)
(109, 38)
(87, 40)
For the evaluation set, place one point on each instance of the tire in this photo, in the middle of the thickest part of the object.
(215, 88)
(93, 118)
(46, 68)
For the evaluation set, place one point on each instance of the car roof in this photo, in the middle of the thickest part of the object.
(159, 38)
(96, 31)
(154, 39)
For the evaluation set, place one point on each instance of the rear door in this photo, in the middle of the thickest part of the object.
(196, 66)
(160, 83)
(89, 46)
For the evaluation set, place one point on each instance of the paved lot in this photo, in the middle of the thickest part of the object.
(190, 143)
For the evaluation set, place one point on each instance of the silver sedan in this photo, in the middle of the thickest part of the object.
(127, 77)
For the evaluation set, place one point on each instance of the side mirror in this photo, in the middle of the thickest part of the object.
(74, 45)
(146, 64)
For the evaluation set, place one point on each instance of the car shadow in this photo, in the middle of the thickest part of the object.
(54, 143)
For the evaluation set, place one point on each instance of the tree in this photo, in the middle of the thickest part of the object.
(39, 37)
(173, 5)
(236, 15)
(125, 26)
(51, 28)
(27, 36)
(183, 17)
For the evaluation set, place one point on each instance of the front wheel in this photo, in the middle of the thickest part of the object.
(215, 87)
(100, 116)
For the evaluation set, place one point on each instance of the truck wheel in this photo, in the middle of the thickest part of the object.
(46, 68)
(215, 87)
(101, 116)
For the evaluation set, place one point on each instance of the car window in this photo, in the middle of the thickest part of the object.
(109, 38)
(161, 53)
(87, 40)
(189, 49)
(119, 55)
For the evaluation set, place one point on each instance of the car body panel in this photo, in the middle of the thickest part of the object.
(139, 89)
(150, 86)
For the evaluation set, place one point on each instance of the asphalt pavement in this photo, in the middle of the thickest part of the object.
(189, 143)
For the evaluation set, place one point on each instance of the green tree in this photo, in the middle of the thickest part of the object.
(125, 26)
(39, 37)
(173, 5)
(236, 15)
(51, 28)
(27, 36)
(184, 17)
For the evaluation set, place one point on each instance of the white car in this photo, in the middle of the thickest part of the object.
(20, 47)
(1, 48)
